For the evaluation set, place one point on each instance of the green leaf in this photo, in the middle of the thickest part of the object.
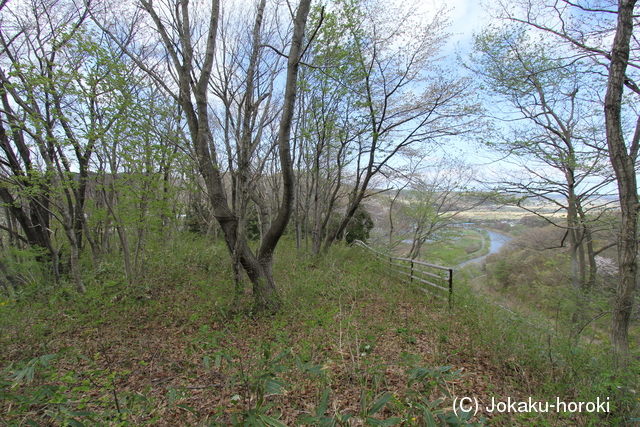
(328, 422)
(172, 395)
(271, 421)
(363, 402)
(280, 368)
(48, 357)
(324, 402)
(428, 416)
(82, 414)
(380, 403)
(186, 408)
(272, 386)
(44, 360)
(343, 417)
(384, 423)
(281, 356)
(308, 367)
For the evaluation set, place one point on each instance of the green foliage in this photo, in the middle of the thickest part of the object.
(456, 246)
(432, 412)
(359, 226)
(37, 391)
(319, 417)
(535, 272)
(416, 405)
(28, 270)
(559, 367)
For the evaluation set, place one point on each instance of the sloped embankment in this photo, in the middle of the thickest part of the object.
(349, 343)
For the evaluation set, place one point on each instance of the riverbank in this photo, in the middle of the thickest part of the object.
(497, 239)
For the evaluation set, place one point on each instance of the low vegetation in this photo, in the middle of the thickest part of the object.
(351, 346)
(534, 273)
(459, 246)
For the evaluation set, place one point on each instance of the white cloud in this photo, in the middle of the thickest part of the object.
(467, 17)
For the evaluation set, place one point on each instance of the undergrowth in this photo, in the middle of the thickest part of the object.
(351, 346)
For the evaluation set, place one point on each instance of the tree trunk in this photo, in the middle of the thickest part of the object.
(74, 258)
(192, 97)
(623, 163)
(122, 234)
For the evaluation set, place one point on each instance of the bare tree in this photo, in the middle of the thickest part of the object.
(547, 102)
(244, 80)
(190, 48)
(327, 133)
(587, 29)
(400, 96)
(438, 195)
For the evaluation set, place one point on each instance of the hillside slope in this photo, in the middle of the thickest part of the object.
(351, 343)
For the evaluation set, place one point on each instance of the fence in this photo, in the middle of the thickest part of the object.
(420, 273)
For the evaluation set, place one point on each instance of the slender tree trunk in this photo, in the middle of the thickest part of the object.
(122, 234)
(356, 200)
(591, 256)
(74, 257)
(392, 202)
(95, 249)
(574, 251)
(268, 297)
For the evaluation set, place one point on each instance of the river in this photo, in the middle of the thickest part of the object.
(497, 240)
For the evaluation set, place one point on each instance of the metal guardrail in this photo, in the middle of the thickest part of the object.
(412, 271)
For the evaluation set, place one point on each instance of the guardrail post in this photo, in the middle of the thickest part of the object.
(411, 277)
(450, 288)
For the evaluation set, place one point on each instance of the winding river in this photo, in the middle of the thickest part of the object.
(497, 240)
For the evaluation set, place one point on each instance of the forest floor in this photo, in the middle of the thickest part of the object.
(350, 343)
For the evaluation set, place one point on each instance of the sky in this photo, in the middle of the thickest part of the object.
(466, 16)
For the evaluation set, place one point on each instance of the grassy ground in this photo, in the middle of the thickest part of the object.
(350, 347)
(471, 243)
